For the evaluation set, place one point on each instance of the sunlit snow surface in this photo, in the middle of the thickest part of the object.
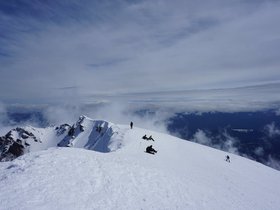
(182, 175)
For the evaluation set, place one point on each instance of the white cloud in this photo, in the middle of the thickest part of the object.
(272, 130)
(201, 138)
(272, 162)
(259, 151)
(229, 144)
(225, 141)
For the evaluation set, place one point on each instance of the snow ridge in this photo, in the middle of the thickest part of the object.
(97, 135)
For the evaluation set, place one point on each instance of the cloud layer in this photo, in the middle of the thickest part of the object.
(84, 51)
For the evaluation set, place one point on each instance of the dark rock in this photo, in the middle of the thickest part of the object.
(16, 149)
(11, 147)
(71, 131)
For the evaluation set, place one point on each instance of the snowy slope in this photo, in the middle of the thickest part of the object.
(120, 175)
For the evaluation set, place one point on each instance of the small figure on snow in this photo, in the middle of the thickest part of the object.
(228, 158)
(151, 150)
(145, 137)
(150, 138)
(131, 125)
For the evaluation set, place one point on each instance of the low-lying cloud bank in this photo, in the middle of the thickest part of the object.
(114, 112)
(223, 142)
(148, 117)
(152, 109)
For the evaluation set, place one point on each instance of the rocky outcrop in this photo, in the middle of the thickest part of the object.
(20, 140)
(62, 129)
(15, 143)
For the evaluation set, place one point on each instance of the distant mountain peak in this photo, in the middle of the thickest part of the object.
(15, 143)
(98, 135)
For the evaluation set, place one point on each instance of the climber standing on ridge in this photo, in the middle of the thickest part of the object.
(131, 125)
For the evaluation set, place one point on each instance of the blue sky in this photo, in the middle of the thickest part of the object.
(60, 51)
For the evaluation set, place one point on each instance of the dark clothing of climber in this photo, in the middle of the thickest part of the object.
(227, 159)
(151, 150)
(131, 125)
(150, 138)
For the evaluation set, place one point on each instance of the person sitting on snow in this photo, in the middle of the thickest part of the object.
(150, 138)
(151, 150)
(145, 137)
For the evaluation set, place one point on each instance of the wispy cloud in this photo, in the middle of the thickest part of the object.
(272, 130)
(272, 162)
(223, 141)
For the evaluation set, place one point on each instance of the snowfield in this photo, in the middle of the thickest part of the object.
(110, 170)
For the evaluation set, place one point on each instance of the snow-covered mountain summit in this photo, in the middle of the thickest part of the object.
(98, 135)
(118, 174)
